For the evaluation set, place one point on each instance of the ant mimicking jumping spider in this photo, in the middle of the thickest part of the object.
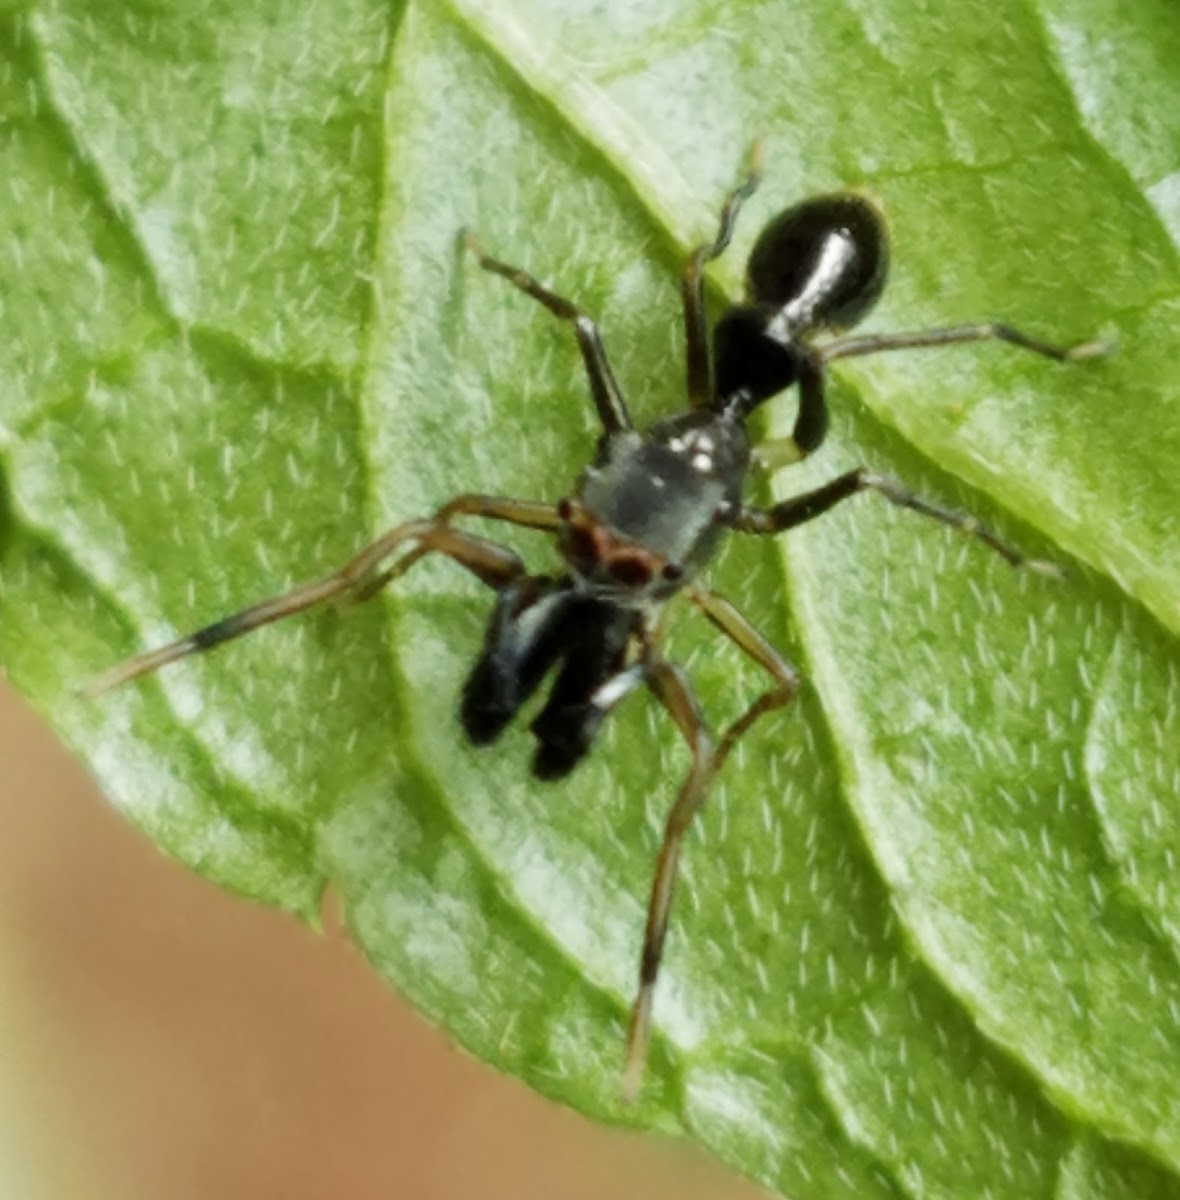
(648, 513)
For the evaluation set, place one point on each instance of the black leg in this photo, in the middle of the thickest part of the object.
(604, 388)
(700, 384)
(591, 680)
(360, 577)
(800, 509)
(525, 636)
(811, 424)
(983, 331)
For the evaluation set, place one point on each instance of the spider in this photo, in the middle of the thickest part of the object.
(647, 514)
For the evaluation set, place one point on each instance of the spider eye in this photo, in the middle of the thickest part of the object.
(630, 572)
(580, 546)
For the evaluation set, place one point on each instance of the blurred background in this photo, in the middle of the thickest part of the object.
(162, 1040)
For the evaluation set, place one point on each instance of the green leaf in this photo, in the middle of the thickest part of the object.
(927, 941)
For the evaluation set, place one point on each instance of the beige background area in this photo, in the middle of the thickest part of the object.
(161, 1040)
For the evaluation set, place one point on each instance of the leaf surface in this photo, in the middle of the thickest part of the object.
(927, 937)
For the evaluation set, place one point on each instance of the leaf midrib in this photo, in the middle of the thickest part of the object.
(543, 72)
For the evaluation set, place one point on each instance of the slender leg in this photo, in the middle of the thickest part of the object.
(490, 563)
(673, 692)
(984, 331)
(692, 284)
(604, 388)
(739, 630)
(800, 509)
(531, 514)
(811, 425)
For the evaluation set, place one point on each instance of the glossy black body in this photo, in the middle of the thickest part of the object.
(819, 265)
